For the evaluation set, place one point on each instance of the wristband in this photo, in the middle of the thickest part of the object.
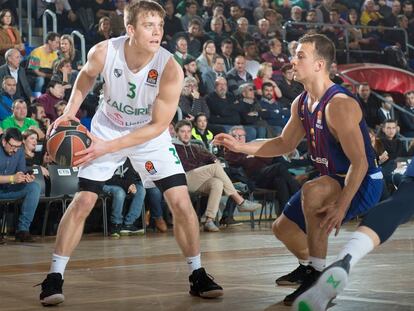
(11, 179)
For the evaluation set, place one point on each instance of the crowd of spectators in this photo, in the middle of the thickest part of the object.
(238, 79)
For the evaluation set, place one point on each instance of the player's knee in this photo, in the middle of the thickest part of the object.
(278, 231)
(82, 205)
(180, 207)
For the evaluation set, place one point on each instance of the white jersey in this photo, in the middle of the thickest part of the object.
(128, 97)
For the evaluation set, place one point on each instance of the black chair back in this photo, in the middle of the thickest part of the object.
(63, 180)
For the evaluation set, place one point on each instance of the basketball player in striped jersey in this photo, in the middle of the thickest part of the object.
(142, 87)
(350, 183)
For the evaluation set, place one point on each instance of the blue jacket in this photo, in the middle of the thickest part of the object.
(10, 165)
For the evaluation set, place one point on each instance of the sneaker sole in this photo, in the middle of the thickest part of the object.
(131, 233)
(53, 300)
(328, 286)
(209, 295)
(244, 210)
(287, 283)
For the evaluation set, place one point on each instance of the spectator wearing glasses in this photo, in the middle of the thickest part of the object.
(15, 183)
(205, 174)
(191, 103)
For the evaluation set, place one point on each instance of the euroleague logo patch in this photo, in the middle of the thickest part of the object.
(149, 166)
(152, 77)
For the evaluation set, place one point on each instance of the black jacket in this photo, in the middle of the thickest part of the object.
(23, 88)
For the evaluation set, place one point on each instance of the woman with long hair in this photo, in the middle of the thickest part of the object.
(9, 35)
(67, 50)
(205, 60)
(30, 139)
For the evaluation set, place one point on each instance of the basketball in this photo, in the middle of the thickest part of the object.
(69, 138)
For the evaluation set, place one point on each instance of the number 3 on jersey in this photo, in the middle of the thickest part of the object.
(131, 92)
(174, 152)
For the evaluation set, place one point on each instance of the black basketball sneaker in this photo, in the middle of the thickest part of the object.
(52, 293)
(203, 285)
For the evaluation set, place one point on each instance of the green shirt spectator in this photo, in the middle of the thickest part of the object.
(20, 120)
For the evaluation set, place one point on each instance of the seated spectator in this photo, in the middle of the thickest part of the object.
(10, 37)
(201, 132)
(275, 20)
(193, 44)
(385, 112)
(7, 96)
(205, 60)
(66, 17)
(262, 171)
(295, 31)
(191, 71)
(334, 75)
(238, 75)
(241, 35)
(12, 68)
(191, 7)
(124, 181)
(393, 146)
(30, 139)
(191, 103)
(335, 33)
(154, 200)
(16, 184)
(264, 75)
(288, 86)
(67, 51)
(292, 46)
(40, 116)
(311, 18)
(205, 174)
(226, 48)
(209, 77)
(172, 24)
(181, 51)
(54, 93)
(258, 12)
(20, 120)
(217, 33)
(263, 35)
(101, 8)
(41, 61)
(236, 12)
(251, 113)
(275, 55)
(407, 121)
(275, 114)
(62, 72)
(390, 20)
(117, 19)
(104, 31)
(252, 58)
(370, 104)
(369, 13)
(224, 112)
(60, 107)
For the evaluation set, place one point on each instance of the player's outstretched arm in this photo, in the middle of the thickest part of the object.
(291, 136)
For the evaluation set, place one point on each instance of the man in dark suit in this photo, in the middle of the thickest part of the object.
(12, 68)
(385, 112)
(406, 120)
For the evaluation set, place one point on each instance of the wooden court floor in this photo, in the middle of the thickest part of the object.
(149, 273)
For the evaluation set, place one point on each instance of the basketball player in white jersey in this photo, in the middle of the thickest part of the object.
(143, 83)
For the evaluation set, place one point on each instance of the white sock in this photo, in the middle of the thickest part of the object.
(358, 246)
(193, 263)
(58, 264)
(318, 263)
(304, 262)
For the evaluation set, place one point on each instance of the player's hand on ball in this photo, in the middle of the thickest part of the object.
(64, 117)
(97, 148)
